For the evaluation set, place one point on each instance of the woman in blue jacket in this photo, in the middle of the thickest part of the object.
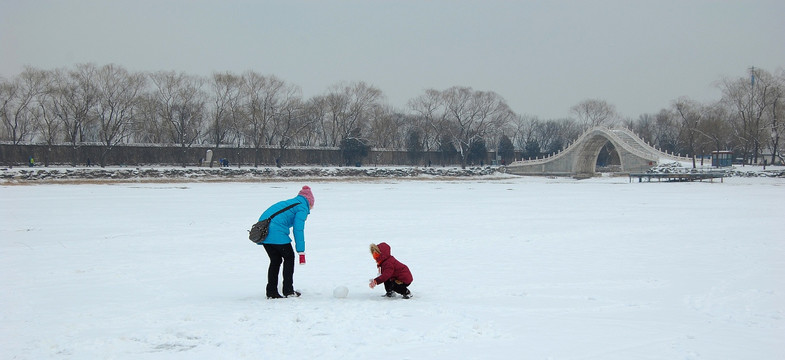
(278, 243)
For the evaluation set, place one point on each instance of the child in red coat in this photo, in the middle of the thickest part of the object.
(392, 273)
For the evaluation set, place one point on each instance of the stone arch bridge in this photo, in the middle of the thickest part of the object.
(579, 159)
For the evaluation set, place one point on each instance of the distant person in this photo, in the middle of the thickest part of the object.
(278, 244)
(32, 162)
(395, 276)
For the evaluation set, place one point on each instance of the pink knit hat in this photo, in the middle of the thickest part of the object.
(307, 194)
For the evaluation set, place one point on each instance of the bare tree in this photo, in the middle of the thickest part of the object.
(472, 114)
(429, 118)
(552, 136)
(419, 136)
(595, 112)
(17, 105)
(749, 100)
(336, 107)
(181, 107)
(462, 116)
(644, 127)
(289, 120)
(314, 114)
(261, 99)
(149, 127)
(715, 127)
(49, 127)
(523, 130)
(386, 128)
(691, 115)
(118, 94)
(666, 130)
(110, 105)
(776, 115)
(17, 98)
(226, 109)
(349, 107)
(77, 97)
(9, 92)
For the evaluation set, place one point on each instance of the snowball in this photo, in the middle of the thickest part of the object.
(341, 292)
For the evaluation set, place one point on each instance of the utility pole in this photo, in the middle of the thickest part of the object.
(751, 114)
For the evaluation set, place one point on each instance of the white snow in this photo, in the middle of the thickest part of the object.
(523, 268)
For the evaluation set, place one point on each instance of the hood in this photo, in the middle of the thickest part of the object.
(383, 249)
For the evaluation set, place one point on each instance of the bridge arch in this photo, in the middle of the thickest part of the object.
(580, 158)
(586, 159)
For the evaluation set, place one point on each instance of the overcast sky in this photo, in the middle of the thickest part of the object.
(543, 57)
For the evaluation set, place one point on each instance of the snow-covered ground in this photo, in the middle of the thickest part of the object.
(523, 268)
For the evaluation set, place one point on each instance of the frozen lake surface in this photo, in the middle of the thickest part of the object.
(525, 268)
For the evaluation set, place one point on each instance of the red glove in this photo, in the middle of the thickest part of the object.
(302, 258)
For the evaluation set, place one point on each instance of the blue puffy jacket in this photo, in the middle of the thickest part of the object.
(292, 218)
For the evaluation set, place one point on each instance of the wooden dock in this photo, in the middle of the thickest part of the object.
(679, 177)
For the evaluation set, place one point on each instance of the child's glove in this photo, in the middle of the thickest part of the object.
(302, 258)
(372, 284)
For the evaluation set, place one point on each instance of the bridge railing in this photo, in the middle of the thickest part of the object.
(639, 140)
(553, 156)
(651, 151)
(570, 147)
(630, 147)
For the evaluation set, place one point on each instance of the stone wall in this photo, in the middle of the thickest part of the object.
(144, 155)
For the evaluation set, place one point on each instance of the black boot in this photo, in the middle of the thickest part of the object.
(272, 291)
(294, 293)
(408, 294)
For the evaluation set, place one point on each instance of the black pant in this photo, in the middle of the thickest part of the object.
(280, 254)
(397, 286)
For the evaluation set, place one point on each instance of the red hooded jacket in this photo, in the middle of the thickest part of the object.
(391, 268)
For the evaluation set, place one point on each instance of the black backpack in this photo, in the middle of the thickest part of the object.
(259, 231)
